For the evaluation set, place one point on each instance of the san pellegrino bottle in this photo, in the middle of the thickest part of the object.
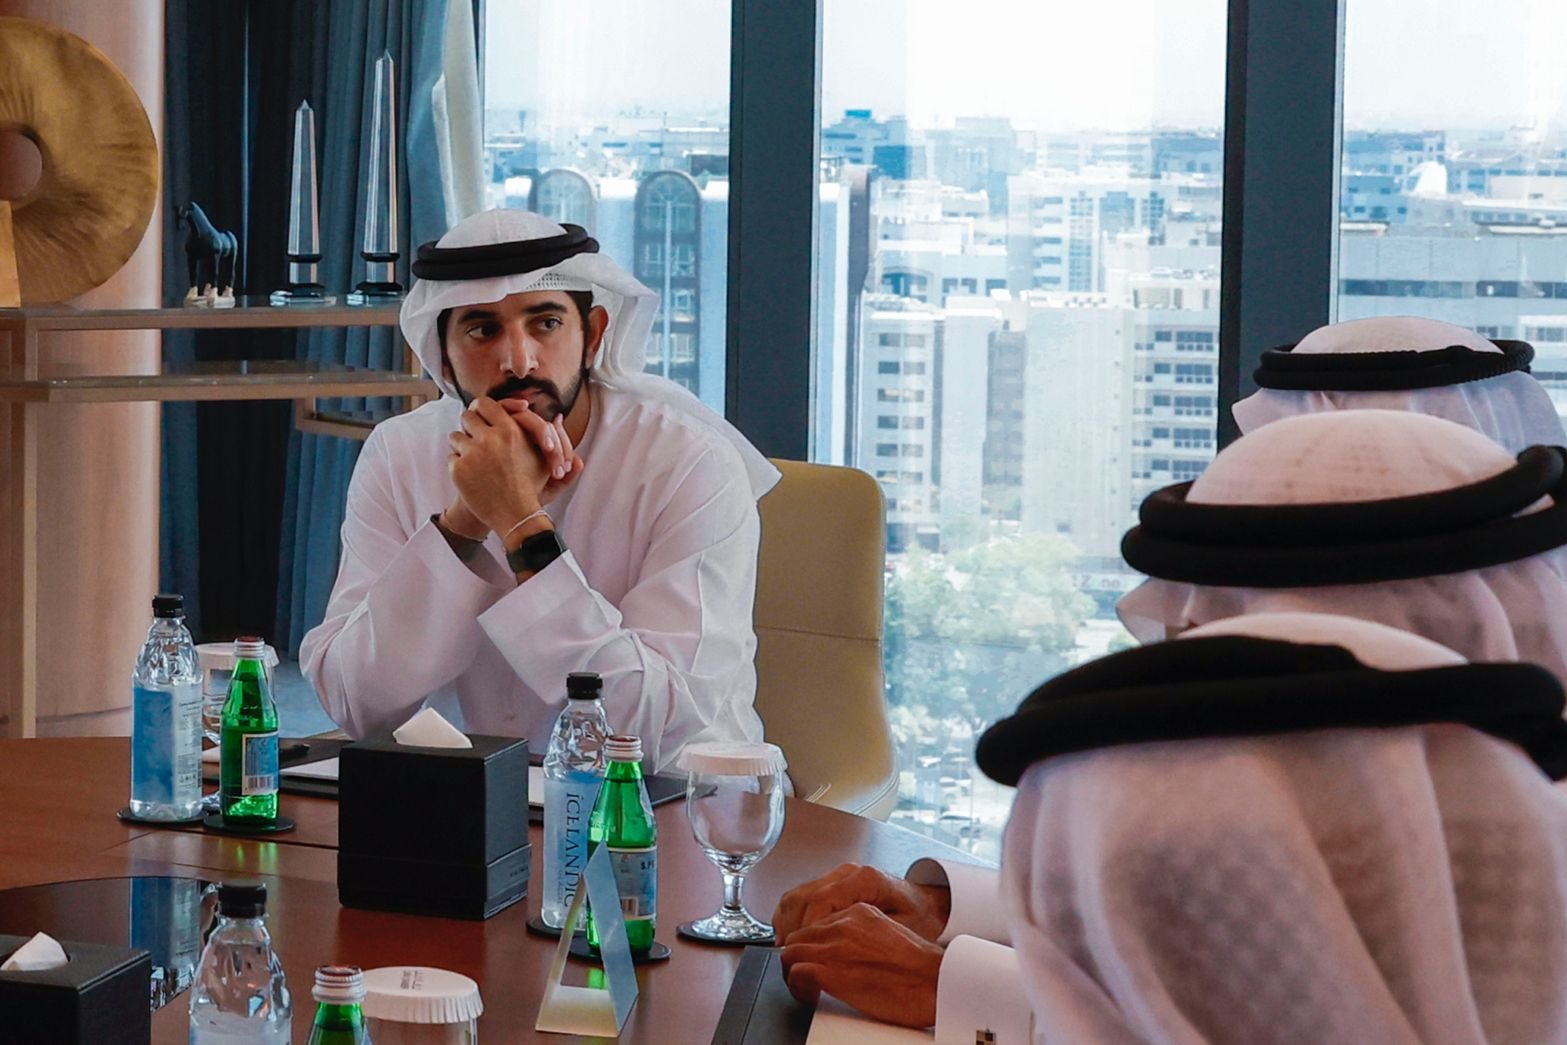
(166, 719)
(339, 993)
(248, 777)
(623, 823)
(240, 994)
(573, 771)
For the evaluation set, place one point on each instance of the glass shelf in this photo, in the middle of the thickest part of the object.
(233, 379)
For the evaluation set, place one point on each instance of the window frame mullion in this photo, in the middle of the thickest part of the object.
(774, 120)
(1282, 130)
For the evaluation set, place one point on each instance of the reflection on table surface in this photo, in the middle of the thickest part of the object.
(168, 917)
(60, 797)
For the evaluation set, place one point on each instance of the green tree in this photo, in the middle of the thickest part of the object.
(971, 633)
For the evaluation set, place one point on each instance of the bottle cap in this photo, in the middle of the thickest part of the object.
(584, 685)
(249, 647)
(620, 748)
(417, 994)
(242, 898)
(339, 985)
(733, 758)
(167, 605)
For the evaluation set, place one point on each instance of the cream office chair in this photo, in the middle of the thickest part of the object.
(819, 632)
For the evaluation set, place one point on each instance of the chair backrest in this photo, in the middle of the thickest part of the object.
(819, 633)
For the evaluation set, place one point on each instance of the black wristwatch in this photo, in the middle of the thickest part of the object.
(536, 552)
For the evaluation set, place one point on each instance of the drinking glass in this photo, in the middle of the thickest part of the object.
(735, 801)
(217, 666)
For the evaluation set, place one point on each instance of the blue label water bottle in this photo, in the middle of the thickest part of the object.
(166, 719)
(573, 772)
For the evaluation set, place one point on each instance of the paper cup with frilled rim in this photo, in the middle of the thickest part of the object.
(416, 1005)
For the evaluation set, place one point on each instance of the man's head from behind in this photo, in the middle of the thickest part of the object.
(1396, 517)
(536, 345)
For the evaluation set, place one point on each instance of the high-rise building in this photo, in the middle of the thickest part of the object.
(563, 195)
(897, 412)
(670, 230)
(1058, 223)
(1003, 464)
(962, 406)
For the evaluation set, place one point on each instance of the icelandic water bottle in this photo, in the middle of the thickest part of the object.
(622, 822)
(339, 994)
(240, 994)
(166, 719)
(573, 771)
(248, 768)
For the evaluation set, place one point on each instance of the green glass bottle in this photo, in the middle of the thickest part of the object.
(623, 821)
(339, 992)
(247, 777)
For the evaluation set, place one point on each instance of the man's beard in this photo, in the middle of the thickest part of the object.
(549, 404)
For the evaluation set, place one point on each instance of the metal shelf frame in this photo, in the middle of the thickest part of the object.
(28, 393)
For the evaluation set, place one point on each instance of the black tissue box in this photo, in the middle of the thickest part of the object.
(426, 830)
(101, 994)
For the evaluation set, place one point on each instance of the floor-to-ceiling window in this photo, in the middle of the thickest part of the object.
(613, 115)
(1018, 239)
(1453, 201)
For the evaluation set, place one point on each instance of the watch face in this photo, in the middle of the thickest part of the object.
(535, 553)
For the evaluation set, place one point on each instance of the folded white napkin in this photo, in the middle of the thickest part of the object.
(39, 953)
(429, 729)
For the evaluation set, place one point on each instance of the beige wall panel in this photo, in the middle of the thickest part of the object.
(98, 464)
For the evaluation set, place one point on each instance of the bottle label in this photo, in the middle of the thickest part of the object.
(636, 876)
(258, 758)
(568, 802)
(152, 746)
(187, 741)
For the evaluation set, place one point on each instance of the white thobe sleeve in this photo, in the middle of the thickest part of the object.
(403, 617)
(976, 898)
(980, 986)
(980, 989)
(680, 644)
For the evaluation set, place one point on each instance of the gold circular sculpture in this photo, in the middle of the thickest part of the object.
(87, 213)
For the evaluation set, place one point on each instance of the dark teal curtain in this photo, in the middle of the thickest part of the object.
(261, 550)
(319, 467)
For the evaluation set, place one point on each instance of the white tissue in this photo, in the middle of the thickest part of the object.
(429, 729)
(39, 953)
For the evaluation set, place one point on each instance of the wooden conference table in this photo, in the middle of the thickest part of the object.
(57, 803)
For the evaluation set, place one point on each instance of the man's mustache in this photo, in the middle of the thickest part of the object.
(513, 385)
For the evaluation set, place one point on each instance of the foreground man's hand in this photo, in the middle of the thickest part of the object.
(564, 464)
(923, 909)
(865, 959)
(497, 468)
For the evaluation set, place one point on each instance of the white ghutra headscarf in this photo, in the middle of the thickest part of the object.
(1460, 564)
(631, 306)
(1510, 407)
(1404, 885)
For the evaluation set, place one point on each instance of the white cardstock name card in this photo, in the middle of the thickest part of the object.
(589, 1010)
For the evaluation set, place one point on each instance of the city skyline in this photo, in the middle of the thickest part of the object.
(1017, 337)
(1026, 61)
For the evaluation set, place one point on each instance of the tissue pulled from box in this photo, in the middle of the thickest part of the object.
(40, 953)
(429, 729)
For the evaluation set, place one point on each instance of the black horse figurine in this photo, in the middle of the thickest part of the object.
(210, 252)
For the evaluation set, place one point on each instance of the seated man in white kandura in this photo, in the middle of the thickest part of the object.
(1284, 827)
(1394, 517)
(557, 510)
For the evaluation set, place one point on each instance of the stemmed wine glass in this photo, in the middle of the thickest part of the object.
(735, 800)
